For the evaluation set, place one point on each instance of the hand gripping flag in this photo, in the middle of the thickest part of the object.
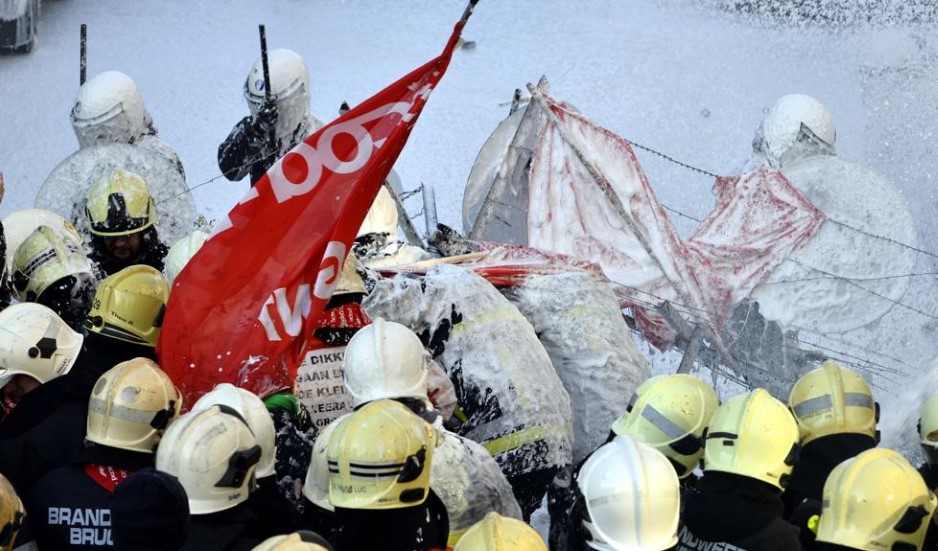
(244, 305)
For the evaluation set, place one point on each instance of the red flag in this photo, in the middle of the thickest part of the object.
(242, 308)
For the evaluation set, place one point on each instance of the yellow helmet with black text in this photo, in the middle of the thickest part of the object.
(379, 458)
(753, 435)
(129, 305)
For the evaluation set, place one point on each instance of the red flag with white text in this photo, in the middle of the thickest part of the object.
(242, 308)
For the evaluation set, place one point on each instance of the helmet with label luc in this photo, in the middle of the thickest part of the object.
(379, 457)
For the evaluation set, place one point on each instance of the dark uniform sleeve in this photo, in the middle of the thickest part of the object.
(243, 147)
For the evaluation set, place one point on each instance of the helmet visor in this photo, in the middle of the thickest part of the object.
(113, 126)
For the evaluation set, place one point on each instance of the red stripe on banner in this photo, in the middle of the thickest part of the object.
(243, 307)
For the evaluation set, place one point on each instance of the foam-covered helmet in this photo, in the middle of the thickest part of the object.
(832, 400)
(119, 204)
(253, 410)
(34, 341)
(379, 458)
(182, 252)
(109, 109)
(384, 360)
(45, 257)
(796, 127)
(12, 514)
(753, 435)
(350, 282)
(303, 540)
(213, 454)
(382, 216)
(928, 429)
(131, 405)
(129, 305)
(498, 533)
(631, 497)
(876, 501)
(289, 79)
(316, 484)
(671, 413)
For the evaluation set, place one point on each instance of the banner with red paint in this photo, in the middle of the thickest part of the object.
(244, 305)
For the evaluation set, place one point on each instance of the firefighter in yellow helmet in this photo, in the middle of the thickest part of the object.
(669, 413)
(304, 540)
(379, 461)
(122, 220)
(51, 267)
(751, 446)
(12, 514)
(132, 404)
(836, 416)
(928, 434)
(498, 533)
(876, 501)
(124, 323)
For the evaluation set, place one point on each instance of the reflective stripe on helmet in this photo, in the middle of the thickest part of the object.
(825, 402)
(96, 405)
(662, 423)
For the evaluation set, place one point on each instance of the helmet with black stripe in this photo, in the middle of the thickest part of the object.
(379, 458)
(753, 435)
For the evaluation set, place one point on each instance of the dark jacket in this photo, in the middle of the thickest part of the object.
(275, 513)
(419, 528)
(47, 428)
(817, 459)
(223, 531)
(152, 253)
(729, 512)
(69, 508)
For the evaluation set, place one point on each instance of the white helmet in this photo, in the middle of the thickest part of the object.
(382, 216)
(289, 87)
(35, 341)
(109, 109)
(181, 252)
(382, 361)
(131, 405)
(253, 410)
(316, 485)
(796, 127)
(213, 454)
(632, 497)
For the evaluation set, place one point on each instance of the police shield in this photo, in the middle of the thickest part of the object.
(66, 188)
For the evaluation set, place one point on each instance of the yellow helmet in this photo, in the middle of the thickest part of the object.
(129, 305)
(928, 429)
(671, 413)
(379, 458)
(753, 435)
(43, 258)
(297, 541)
(131, 405)
(11, 514)
(832, 400)
(120, 204)
(876, 501)
(498, 533)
